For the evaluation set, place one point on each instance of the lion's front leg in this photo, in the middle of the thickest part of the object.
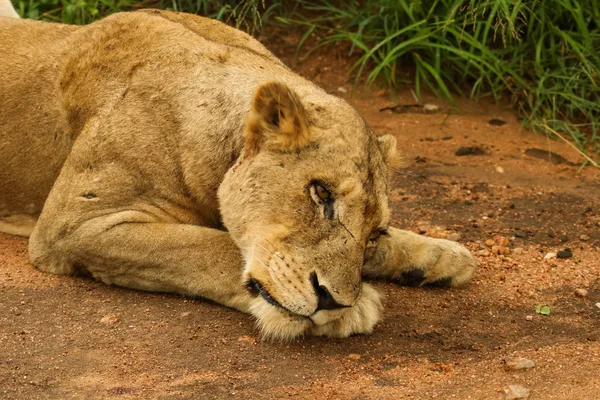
(415, 260)
(159, 257)
(185, 259)
(121, 249)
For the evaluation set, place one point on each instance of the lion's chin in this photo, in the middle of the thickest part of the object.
(277, 324)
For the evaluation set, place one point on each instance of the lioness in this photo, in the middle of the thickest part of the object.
(169, 152)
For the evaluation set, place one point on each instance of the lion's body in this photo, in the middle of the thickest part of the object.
(59, 78)
(32, 133)
(130, 144)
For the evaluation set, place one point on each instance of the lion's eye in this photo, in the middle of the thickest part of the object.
(323, 193)
(374, 235)
(322, 198)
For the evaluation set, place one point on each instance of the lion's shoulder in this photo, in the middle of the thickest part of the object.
(215, 31)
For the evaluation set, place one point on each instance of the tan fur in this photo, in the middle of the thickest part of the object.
(7, 10)
(277, 117)
(168, 152)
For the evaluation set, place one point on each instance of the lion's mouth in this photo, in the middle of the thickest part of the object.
(256, 288)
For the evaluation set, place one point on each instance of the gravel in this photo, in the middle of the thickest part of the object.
(514, 392)
(518, 363)
(566, 253)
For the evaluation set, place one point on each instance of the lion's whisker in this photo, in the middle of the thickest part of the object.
(269, 254)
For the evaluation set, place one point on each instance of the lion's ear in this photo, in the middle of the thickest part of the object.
(391, 156)
(277, 120)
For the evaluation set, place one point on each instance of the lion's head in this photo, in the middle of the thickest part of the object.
(306, 203)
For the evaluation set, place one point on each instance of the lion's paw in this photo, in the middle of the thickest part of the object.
(358, 319)
(444, 264)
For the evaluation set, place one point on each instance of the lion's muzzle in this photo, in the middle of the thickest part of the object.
(326, 300)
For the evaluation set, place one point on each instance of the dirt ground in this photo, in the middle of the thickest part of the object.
(71, 338)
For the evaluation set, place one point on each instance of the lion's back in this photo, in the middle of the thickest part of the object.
(216, 31)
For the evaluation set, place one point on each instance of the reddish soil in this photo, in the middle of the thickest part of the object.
(65, 338)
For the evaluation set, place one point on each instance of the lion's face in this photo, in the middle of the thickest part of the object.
(306, 201)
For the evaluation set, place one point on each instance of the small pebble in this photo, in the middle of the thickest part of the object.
(489, 243)
(354, 356)
(584, 237)
(520, 234)
(519, 363)
(437, 232)
(483, 253)
(501, 240)
(430, 107)
(455, 237)
(499, 170)
(581, 292)
(514, 392)
(550, 256)
(598, 305)
(110, 319)
(500, 250)
(342, 89)
(529, 318)
(247, 339)
(185, 314)
(566, 253)
(518, 250)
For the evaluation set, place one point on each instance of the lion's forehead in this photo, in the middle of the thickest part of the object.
(362, 151)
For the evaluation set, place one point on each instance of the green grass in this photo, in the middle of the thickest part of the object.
(246, 14)
(542, 56)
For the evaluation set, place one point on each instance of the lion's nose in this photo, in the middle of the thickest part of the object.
(326, 300)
